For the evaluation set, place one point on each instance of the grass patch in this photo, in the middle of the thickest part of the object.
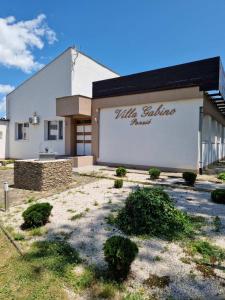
(134, 296)
(17, 236)
(39, 231)
(71, 210)
(31, 277)
(31, 200)
(157, 281)
(209, 253)
(77, 216)
(157, 258)
(111, 219)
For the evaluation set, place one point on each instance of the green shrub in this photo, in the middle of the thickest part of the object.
(36, 215)
(221, 176)
(119, 253)
(189, 177)
(150, 211)
(154, 173)
(118, 183)
(218, 196)
(121, 172)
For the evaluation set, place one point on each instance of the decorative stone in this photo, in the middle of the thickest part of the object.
(42, 175)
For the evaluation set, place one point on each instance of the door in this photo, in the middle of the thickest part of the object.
(83, 139)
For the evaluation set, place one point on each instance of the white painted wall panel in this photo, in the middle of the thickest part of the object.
(169, 141)
(38, 94)
(85, 71)
(3, 140)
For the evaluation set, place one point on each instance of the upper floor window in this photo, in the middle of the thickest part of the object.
(1, 135)
(53, 130)
(22, 131)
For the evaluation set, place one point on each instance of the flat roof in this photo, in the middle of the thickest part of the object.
(207, 74)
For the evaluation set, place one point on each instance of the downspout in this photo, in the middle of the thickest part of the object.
(200, 139)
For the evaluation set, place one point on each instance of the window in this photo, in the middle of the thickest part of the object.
(53, 130)
(22, 131)
(1, 135)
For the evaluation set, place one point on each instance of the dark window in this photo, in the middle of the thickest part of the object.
(60, 130)
(20, 132)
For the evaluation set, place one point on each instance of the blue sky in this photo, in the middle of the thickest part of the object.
(127, 35)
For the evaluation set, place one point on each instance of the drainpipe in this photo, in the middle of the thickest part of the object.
(200, 139)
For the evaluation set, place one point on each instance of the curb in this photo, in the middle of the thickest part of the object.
(8, 236)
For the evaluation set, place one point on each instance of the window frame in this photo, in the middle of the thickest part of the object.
(59, 128)
(22, 134)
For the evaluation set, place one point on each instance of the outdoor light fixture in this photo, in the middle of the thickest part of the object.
(34, 120)
(6, 189)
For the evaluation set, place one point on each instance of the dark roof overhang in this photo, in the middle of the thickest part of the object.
(207, 74)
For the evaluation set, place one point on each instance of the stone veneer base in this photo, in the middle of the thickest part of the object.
(42, 175)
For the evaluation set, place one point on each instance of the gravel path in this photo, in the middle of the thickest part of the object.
(94, 201)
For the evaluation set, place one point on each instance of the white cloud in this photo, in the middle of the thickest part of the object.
(17, 39)
(2, 107)
(4, 90)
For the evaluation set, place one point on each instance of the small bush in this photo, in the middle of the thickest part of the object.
(154, 173)
(221, 176)
(18, 236)
(36, 215)
(150, 211)
(217, 223)
(218, 196)
(121, 172)
(118, 183)
(189, 177)
(119, 253)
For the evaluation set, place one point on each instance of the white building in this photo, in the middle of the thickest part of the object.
(171, 118)
(71, 73)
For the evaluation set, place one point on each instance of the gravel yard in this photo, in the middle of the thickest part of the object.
(79, 215)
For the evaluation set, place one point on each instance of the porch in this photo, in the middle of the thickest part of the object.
(78, 128)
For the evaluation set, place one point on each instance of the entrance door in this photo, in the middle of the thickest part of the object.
(83, 139)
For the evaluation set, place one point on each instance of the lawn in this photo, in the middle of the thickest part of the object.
(52, 270)
(30, 277)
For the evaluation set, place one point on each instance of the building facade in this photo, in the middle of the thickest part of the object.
(171, 118)
(31, 107)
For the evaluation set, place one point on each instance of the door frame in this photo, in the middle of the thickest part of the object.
(82, 122)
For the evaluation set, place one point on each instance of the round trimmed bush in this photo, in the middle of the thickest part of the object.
(37, 215)
(151, 211)
(154, 173)
(119, 254)
(118, 183)
(121, 172)
(218, 196)
(189, 177)
(221, 176)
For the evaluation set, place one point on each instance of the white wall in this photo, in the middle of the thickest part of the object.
(213, 140)
(3, 139)
(38, 94)
(85, 71)
(169, 141)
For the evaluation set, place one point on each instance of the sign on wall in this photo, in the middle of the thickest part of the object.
(143, 116)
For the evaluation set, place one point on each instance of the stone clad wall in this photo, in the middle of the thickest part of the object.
(42, 175)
